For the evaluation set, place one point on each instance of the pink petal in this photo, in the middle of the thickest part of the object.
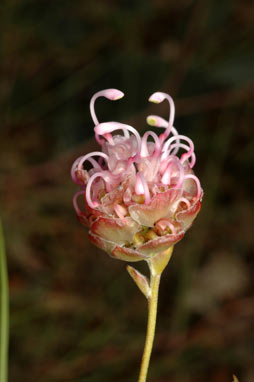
(161, 205)
(119, 231)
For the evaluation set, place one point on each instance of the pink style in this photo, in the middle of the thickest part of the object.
(140, 193)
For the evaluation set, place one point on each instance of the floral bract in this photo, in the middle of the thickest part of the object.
(140, 193)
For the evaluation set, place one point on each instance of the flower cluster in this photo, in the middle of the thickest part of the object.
(140, 193)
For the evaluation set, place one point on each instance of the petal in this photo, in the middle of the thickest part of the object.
(161, 205)
(113, 197)
(128, 254)
(116, 230)
(110, 199)
(186, 217)
(93, 211)
(113, 250)
(160, 244)
(105, 245)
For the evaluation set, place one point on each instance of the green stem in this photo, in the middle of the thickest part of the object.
(157, 264)
(4, 312)
(152, 314)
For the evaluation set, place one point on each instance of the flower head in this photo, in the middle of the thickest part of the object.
(140, 193)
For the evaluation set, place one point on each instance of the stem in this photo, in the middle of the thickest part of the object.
(157, 264)
(152, 314)
(4, 312)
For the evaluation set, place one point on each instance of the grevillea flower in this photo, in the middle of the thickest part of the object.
(140, 193)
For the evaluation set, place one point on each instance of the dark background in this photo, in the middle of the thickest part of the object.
(75, 313)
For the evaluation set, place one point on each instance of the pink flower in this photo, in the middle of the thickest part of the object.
(140, 195)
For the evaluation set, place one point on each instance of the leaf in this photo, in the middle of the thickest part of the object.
(141, 280)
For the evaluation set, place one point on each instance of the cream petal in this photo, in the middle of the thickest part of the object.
(128, 254)
(115, 251)
(160, 244)
(115, 196)
(105, 245)
(118, 231)
(161, 205)
(186, 217)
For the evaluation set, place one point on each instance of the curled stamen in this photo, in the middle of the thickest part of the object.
(144, 149)
(127, 196)
(184, 200)
(186, 156)
(141, 187)
(108, 127)
(166, 177)
(163, 225)
(77, 169)
(111, 94)
(73, 171)
(121, 211)
(118, 126)
(89, 157)
(155, 120)
(185, 147)
(75, 202)
(196, 180)
(109, 138)
(158, 97)
(171, 140)
(105, 176)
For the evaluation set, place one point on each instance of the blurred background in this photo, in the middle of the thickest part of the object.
(75, 313)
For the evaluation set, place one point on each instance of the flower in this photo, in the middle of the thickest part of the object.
(140, 195)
